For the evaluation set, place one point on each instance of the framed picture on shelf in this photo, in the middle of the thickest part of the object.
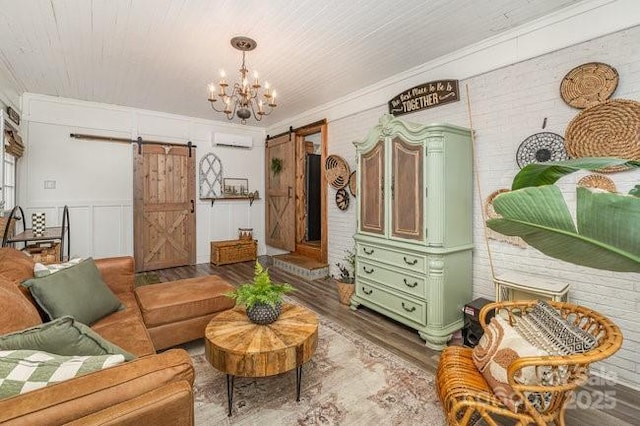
(236, 187)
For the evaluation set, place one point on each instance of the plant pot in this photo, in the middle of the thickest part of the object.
(345, 291)
(263, 314)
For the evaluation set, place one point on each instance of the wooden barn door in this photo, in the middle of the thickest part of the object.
(281, 193)
(164, 206)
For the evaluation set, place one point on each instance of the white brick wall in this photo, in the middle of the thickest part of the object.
(508, 105)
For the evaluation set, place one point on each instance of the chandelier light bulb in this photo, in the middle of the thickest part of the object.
(212, 92)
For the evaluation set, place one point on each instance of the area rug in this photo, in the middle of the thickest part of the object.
(349, 381)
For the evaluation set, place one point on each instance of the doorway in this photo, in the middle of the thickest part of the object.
(311, 190)
(306, 181)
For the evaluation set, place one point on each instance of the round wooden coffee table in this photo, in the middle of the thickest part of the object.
(236, 346)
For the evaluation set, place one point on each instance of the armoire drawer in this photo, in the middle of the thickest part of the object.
(397, 279)
(409, 261)
(413, 310)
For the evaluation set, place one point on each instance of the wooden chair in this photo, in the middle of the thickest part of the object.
(466, 396)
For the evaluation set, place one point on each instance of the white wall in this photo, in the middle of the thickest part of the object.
(94, 178)
(507, 105)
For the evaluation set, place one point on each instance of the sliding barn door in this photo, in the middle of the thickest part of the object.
(281, 193)
(164, 207)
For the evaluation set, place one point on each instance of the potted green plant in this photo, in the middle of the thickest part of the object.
(606, 233)
(346, 280)
(262, 297)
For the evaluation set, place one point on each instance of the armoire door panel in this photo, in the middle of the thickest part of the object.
(407, 192)
(372, 184)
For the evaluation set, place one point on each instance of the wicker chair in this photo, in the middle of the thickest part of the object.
(466, 396)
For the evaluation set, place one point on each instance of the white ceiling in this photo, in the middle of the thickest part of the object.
(160, 54)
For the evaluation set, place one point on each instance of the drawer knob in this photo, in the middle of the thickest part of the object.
(413, 308)
(370, 251)
(364, 290)
(410, 262)
(408, 284)
(368, 271)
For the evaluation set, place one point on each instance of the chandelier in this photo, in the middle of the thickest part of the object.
(244, 98)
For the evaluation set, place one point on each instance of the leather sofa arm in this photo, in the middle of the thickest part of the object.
(117, 272)
(81, 397)
(170, 405)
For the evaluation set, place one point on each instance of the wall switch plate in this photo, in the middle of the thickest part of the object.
(49, 184)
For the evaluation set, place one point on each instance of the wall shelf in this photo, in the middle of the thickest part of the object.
(251, 199)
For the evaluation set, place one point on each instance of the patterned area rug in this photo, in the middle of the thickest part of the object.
(349, 381)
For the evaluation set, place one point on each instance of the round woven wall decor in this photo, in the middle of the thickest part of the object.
(609, 129)
(352, 184)
(598, 181)
(342, 199)
(490, 213)
(540, 148)
(337, 171)
(589, 84)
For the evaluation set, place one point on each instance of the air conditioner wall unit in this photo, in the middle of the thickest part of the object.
(232, 140)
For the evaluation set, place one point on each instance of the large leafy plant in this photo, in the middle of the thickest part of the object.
(261, 291)
(606, 234)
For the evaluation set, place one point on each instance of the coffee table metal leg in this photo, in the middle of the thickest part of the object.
(298, 382)
(230, 378)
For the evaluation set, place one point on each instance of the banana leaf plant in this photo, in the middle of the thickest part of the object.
(606, 234)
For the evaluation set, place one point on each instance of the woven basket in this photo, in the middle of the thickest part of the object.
(337, 171)
(345, 291)
(589, 84)
(609, 129)
(598, 181)
(352, 183)
(490, 213)
(45, 252)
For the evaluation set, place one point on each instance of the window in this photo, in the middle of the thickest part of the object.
(9, 187)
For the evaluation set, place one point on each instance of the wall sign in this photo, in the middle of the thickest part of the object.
(427, 95)
(13, 115)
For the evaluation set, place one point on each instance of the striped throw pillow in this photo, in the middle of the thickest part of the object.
(26, 370)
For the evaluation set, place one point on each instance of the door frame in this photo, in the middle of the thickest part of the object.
(302, 248)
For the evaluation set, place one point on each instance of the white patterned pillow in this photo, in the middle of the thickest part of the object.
(40, 270)
(26, 370)
(544, 327)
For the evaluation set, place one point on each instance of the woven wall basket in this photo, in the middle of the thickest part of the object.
(337, 171)
(490, 213)
(540, 148)
(609, 129)
(589, 84)
(598, 181)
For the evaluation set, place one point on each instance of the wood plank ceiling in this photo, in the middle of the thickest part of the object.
(160, 54)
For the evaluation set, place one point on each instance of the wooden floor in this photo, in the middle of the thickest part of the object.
(321, 296)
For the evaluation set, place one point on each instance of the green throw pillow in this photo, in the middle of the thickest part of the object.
(78, 291)
(62, 336)
(27, 370)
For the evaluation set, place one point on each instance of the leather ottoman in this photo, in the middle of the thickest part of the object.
(178, 311)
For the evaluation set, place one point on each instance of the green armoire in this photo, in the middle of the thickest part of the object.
(414, 205)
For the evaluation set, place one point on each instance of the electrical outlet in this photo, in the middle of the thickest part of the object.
(49, 184)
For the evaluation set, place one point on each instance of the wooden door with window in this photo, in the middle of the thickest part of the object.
(281, 193)
(164, 206)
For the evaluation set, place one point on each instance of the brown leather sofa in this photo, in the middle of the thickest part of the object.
(153, 388)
